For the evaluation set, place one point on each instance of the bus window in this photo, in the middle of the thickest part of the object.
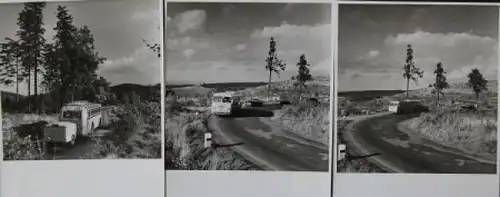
(226, 100)
(71, 114)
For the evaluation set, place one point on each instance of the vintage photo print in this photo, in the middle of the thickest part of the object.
(79, 81)
(417, 89)
(248, 86)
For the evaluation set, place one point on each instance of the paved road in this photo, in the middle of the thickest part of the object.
(267, 145)
(82, 146)
(405, 152)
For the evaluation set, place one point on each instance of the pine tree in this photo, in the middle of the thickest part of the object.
(273, 64)
(303, 74)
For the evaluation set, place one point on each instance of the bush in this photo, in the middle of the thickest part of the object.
(184, 150)
(471, 132)
(309, 121)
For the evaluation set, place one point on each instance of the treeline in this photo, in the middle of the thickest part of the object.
(57, 70)
(476, 82)
(63, 67)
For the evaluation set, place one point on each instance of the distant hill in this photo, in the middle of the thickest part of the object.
(143, 91)
(368, 94)
(319, 85)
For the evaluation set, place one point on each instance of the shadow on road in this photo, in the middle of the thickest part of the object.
(249, 112)
(33, 130)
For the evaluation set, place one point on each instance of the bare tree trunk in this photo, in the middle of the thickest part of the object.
(408, 88)
(269, 84)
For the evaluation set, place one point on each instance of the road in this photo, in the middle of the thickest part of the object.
(82, 146)
(405, 152)
(267, 145)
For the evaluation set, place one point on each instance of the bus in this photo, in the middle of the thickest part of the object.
(407, 106)
(223, 103)
(78, 118)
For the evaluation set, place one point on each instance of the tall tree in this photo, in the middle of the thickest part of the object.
(59, 75)
(10, 72)
(72, 60)
(30, 33)
(477, 82)
(303, 74)
(410, 71)
(440, 83)
(273, 64)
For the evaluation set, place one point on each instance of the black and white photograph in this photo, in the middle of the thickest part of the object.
(248, 86)
(417, 89)
(80, 80)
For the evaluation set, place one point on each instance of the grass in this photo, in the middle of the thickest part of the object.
(471, 132)
(135, 134)
(184, 148)
(353, 166)
(309, 121)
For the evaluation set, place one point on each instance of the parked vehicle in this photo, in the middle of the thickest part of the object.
(79, 118)
(407, 106)
(223, 103)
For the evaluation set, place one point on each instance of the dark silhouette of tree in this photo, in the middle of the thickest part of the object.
(273, 64)
(303, 74)
(410, 71)
(10, 68)
(440, 83)
(22, 57)
(477, 82)
(72, 61)
(155, 47)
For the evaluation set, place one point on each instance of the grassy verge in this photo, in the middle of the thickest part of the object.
(471, 132)
(184, 149)
(353, 166)
(135, 133)
(311, 122)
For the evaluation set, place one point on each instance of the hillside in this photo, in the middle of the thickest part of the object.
(319, 85)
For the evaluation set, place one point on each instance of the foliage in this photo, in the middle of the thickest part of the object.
(410, 71)
(477, 82)
(303, 74)
(273, 63)
(440, 82)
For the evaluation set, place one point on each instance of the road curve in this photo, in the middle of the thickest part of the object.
(269, 146)
(405, 152)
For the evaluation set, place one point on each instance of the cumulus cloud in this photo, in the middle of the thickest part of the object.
(241, 47)
(458, 52)
(189, 21)
(373, 53)
(237, 55)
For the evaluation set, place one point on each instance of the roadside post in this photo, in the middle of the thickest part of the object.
(341, 153)
(208, 140)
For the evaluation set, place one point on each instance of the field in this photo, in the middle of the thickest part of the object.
(448, 124)
(132, 131)
(187, 120)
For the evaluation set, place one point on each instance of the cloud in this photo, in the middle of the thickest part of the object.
(241, 47)
(196, 55)
(188, 53)
(189, 21)
(458, 52)
(373, 53)
(142, 67)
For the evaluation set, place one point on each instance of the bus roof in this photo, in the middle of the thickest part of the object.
(79, 104)
(226, 94)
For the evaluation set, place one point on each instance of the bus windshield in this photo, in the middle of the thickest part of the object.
(226, 100)
(71, 114)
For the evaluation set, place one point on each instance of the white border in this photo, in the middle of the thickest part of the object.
(333, 95)
(417, 185)
(80, 178)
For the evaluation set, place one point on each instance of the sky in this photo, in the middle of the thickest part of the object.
(373, 40)
(223, 42)
(118, 35)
